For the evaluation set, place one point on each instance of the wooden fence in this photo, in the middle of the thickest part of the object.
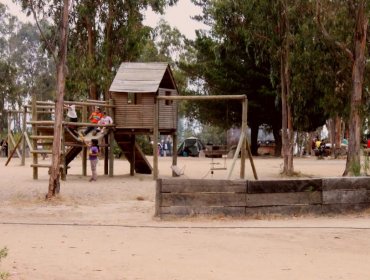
(189, 197)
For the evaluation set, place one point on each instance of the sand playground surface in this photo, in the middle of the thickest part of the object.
(106, 229)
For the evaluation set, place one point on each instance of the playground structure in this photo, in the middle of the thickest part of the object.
(41, 138)
(134, 95)
(143, 102)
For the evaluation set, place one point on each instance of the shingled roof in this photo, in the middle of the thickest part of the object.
(142, 77)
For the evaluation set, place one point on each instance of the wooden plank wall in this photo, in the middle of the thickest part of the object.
(141, 115)
(188, 197)
(138, 115)
(167, 111)
(191, 197)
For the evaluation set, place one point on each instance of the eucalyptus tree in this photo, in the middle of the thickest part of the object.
(104, 34)
(270, 51)
(226, 61)
(34, 67)
(55, 38)
(344, 25)
(8, 96)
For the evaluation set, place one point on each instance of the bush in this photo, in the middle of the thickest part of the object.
(3, 254)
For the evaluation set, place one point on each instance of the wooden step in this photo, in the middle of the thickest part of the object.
(42, 151)
(44, 165)
(42, 137)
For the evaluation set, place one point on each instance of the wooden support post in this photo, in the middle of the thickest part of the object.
(106, 155)
(111, 152)
(155, 139)
(10, 145)
(174, 153)
(110, 108)
(11, 140)
(24, 128)
(13, 151)
(34, 141)
(245, 108)
(236, 155)
(244, 129)
(158, 198)
(84, 114)
(251, 160)
(84, 149)
(109, 141)
(84, 161)
(63, 156)
(133, 157)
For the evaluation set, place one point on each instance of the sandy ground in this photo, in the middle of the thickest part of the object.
(106, 230)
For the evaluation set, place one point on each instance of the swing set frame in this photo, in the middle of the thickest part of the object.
(243, 145)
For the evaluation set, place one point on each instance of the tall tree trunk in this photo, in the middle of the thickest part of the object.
(61, 76)
(331, 129)
(91, 56)
(353, 164)
(338, 132)
(109, 50)
(287, 124)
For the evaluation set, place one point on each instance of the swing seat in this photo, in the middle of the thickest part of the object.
(177, 170)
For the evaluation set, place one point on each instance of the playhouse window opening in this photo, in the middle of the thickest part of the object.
(168, 102)
(131, 98)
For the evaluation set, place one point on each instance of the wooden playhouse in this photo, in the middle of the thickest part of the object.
(134, 92)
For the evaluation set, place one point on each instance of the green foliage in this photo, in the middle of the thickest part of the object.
(144, 144)
(105, 34)
(355, 168)
(3, 254)
(366, 165)
(24, 65)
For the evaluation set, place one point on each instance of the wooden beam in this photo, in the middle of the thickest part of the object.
(106, 154)
(63, 156)
(84, 161)
(244, 129)
(155, 139)
(203, 97)
(45, 137)
(111, 152)
(23, 163)
(34, 132)
(133, 156)
(12, 140)
(174, 153)
(13, 151)
(28, 141)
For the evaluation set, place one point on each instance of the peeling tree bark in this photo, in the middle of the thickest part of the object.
(287, 135)
(54, 180)
(357, 56)
(353, 164)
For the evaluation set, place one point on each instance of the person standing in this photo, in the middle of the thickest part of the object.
(93, 157)
(72, 115)
(71, 112)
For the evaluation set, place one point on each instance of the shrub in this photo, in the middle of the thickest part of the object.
(3, 254)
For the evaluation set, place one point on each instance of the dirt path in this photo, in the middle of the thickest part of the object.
(106, 230)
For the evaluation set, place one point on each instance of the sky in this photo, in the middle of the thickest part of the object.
(178, 16)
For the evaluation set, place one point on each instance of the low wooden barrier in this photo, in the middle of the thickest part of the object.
(189, 197)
